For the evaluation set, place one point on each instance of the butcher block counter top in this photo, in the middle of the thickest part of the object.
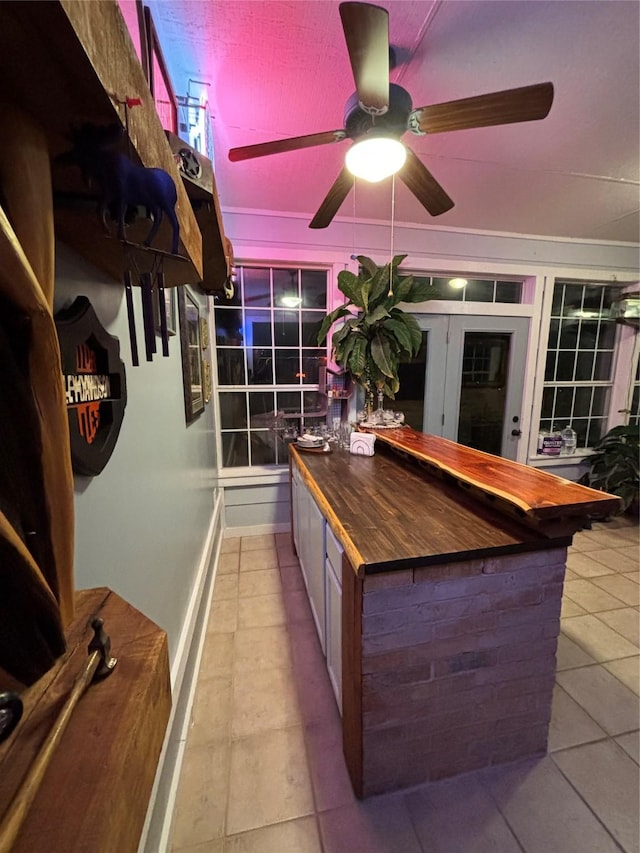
(424, 500)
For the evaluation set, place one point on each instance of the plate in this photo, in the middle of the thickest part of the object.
(310, 449)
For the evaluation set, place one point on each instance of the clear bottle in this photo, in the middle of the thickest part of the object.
(569, 440)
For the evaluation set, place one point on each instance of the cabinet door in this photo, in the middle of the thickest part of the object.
(334, 630)
(314, 569)
(295, 507)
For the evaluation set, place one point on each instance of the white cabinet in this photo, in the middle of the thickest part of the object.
(308, 537)
(320, 556)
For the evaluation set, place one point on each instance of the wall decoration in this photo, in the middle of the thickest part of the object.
(204, 333)
(206, 372)
(95, 385)
(189, 320)
(169, 308)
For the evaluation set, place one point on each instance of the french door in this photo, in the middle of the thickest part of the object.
(474, 373)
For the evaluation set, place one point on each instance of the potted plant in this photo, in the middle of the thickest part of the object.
(614, 465)
(373, 341)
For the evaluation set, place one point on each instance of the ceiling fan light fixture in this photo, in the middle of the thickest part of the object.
(290, 301)
(375, 159)
(458, 283)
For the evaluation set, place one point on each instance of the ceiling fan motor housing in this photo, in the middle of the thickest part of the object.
(358, 123)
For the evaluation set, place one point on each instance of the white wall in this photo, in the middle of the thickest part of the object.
(141, 524)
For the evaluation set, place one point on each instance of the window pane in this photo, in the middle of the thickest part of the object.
(556, 305)
(584, 366)
(606, 335)
(564, 403)
(286, 293)
(581, 426)
(289, 401)
(600, 401)
(230, 367)
(287, 367)
(568, 334)
(547, 402)
(564, 370)
(593, 298)
(596, 431)
(233, 410)
(228, 327)
(554, 330)
(235, 451)
(588, 334)
(263, 450)
(572, 300)
(257, 326)
(550, 369)
(508, 291)
(604, 362)
(286, 332)
(311, 322)
(312, 402)
(314, 288)
(261, 409)
(260, 366)
(478, 291)
(582, 402)
(256, 287)
(311, 360)
(444, 289)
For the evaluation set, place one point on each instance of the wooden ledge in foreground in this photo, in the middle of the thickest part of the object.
(537, 496)
(95, 793)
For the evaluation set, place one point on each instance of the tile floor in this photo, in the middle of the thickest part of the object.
(263, 769)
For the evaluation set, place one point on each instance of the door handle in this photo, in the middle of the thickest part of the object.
(516, 432)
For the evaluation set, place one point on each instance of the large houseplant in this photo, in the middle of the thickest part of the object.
(372, 342)
(614, 465)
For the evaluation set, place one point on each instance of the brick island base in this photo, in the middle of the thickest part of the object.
(448, 668)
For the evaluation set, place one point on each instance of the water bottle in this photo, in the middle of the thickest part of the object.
(569, 439)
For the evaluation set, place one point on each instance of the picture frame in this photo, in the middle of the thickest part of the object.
(191, 348)
(170, 309)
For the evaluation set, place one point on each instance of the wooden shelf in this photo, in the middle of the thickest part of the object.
(95, 793)
(70, 61)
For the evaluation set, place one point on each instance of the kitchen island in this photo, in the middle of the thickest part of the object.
(435, 576)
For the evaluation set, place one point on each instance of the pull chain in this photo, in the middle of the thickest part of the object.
(393, 214)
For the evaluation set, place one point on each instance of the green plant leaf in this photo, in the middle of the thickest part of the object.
(357, 360)
(401, 288)
(382, 355)
(344, 330)
(376, 315)
(370, 266)
(412, 327)
(398, 329)
(351, 286)
(330, 319)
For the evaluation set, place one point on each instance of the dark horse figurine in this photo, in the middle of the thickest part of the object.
(123, 184)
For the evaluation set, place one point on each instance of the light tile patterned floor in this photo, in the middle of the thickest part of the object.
(263, 770)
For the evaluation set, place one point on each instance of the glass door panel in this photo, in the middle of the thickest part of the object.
(483, 390)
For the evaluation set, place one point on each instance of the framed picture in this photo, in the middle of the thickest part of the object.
(169, 307)
(190, 344)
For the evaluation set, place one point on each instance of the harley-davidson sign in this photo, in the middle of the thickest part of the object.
(95, 386)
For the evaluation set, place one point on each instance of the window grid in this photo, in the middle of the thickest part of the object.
(580, 360)
(476, 290)
(267, 359)
(634, 415)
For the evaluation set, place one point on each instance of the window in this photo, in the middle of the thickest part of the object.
(475, 289)
(634, 415)
(268, 359)
(579, 368)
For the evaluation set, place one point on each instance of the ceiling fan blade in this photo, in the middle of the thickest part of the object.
(334, 198)
(278, 146)
(366, 30)
(527, 103)
(424, 186)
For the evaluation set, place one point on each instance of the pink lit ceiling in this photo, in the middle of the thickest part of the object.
(280, 69)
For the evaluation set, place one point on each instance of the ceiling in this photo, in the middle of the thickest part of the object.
(280, 69)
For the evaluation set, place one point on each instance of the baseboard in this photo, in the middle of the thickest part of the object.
(256, 530)
(156, 834)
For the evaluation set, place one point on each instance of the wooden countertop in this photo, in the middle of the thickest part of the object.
(539, 495)
(390, 514)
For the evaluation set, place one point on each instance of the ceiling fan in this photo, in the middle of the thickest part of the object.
(379, 108)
